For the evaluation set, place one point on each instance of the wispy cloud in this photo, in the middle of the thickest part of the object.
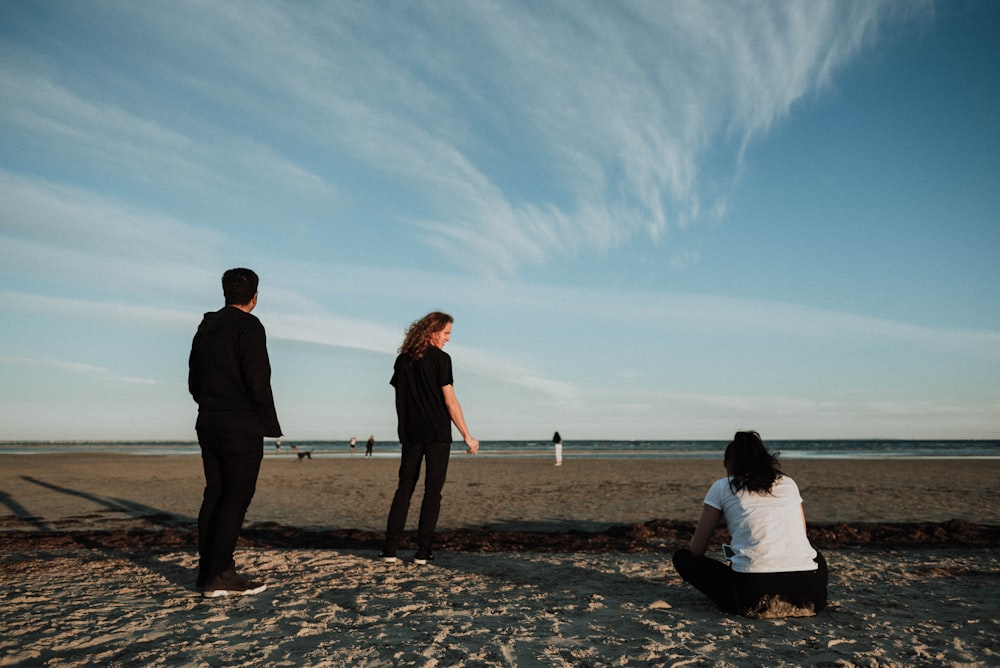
(70, 217)
(463, 107)
(82, 310)
(780, 416)
(136, 146)
(617, 104)
(74, 368)
(73, 241)
(310, 325)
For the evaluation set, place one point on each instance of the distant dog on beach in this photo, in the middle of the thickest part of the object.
(308, 454)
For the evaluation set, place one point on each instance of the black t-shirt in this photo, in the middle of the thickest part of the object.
(420, 409)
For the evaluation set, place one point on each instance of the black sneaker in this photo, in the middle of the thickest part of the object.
(387, 557)
(232, 583)
(423, 559)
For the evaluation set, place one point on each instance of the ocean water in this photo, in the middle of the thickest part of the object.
(637, 449)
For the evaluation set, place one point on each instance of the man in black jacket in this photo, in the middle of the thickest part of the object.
(229, 376)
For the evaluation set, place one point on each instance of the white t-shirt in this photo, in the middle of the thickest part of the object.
(766, 530)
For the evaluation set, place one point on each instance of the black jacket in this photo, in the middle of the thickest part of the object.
(229, 374)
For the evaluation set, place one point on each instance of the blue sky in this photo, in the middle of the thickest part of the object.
(650, 220)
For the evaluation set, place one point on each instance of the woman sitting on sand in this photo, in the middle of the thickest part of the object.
(774, 571)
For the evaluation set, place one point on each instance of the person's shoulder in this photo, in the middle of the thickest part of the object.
(252, 323)
(244, 317)
(720, 485)
(785, 481)
(433, 355)
(438, 354)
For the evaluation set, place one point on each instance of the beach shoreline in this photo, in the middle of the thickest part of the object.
(88, 491)
(537, 565)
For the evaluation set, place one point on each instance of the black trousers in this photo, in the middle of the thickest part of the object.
(750, 593)
(231, 461)
(414, 454)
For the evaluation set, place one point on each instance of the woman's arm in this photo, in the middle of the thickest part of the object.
(706, 527)
(455, 411)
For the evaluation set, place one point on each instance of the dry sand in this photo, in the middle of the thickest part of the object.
(96, 567)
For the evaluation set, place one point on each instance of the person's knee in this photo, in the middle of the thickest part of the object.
(682, 558)
(405, 487)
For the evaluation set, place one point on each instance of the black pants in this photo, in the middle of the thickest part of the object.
(749, 593)
(436, 455)
(231, 461)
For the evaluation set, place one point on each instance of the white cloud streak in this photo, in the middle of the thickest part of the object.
(74, 368)
(196, 161)
(615, 104)
(75, 218)
(308, 326)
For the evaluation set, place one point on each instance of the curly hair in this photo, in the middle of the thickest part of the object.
(419, 333)
(751, 466)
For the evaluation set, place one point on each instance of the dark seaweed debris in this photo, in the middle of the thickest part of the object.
(652, 536)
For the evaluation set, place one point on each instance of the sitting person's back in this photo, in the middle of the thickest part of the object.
(774, 570)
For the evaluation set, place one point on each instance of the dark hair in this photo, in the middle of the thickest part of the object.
(239, 286)
(418, 334)
(750, 465)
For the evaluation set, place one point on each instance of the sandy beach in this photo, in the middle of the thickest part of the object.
(538, 566)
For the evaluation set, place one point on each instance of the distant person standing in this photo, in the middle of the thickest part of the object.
(229, 376)
(426, 406)
(370, 446)
(353, 443)
(557, 443)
